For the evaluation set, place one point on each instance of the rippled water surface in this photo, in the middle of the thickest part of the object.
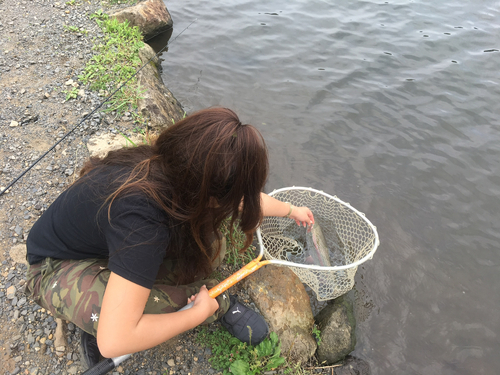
(394, 107)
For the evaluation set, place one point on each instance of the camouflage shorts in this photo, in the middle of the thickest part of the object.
(73, 290)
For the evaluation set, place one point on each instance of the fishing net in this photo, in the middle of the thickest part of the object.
(350, 240)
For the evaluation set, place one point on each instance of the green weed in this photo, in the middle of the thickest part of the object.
(71, 93)
(146, 139)
(317, 334)
(99, 14)
(139, 130)
(183, 117)
(231, 356)
(235, 240)
(116, 61)
(295, 369)
(75, 29)
(127, 138)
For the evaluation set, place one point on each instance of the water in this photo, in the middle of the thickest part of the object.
(394, 107)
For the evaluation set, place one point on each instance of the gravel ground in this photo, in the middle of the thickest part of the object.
(39, 58)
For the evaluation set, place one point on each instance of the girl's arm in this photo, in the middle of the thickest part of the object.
(124, 328)
(273, 207)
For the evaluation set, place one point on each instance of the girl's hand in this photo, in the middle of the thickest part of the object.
(206, 305)
(302, 216)
(274, 207)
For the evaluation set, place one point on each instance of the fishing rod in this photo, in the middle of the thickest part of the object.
(93, 111)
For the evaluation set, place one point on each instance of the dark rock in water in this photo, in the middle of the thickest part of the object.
(337, 325)
(353, 366)
(151, 16)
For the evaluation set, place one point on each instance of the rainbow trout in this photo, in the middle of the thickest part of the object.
(317, 252)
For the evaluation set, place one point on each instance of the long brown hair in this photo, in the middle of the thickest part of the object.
(198, 171)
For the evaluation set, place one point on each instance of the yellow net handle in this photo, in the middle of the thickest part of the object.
(248, 269)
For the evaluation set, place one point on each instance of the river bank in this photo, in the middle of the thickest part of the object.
(44, 46)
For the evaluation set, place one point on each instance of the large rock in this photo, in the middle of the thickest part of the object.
(157, 102)
(150, 16)
(353, 366)
(337, 325)
(284, 303)
(100, 145)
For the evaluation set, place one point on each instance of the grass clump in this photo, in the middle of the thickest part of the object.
(231, 356)
(75, 29)
(316, 332)
(116, 61)
(235, 239)
(71, 93)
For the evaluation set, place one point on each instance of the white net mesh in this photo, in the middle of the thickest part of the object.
(350, 238)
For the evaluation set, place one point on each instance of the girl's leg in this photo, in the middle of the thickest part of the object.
(167, 298)
(70, 289)
(74, 289)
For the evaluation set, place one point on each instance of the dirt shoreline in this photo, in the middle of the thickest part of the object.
(38, 56)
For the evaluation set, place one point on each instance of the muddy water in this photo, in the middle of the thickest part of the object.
(394, 107)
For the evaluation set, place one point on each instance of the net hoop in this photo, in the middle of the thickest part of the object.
(322, 268)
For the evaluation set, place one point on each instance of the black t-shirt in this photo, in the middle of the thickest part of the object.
(134, 238)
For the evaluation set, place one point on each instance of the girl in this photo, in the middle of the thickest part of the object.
(133, 240)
